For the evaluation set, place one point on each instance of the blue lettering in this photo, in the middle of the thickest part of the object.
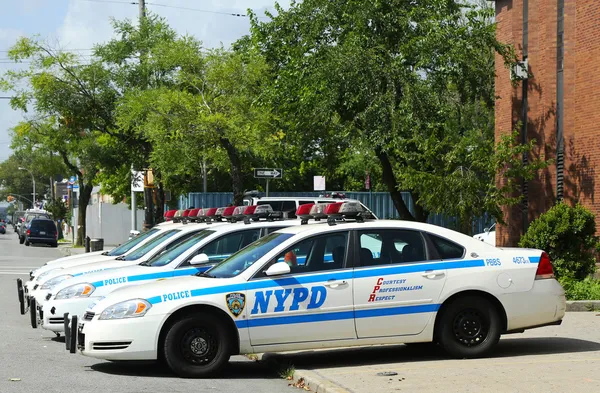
(176, 295)
(317, 292)
(281, 295)
(114, 281)
(300, 295)
(261, 301)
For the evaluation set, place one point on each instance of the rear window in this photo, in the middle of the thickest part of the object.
(447, 249)
(45, 225)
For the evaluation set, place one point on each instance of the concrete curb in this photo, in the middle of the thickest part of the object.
(313, 380)
(316, 383)
(583, 305)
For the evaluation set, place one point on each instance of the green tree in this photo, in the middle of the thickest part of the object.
(413, 81)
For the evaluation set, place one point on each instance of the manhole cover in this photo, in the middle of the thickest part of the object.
(387, 374)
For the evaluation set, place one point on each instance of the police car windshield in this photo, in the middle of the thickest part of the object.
(129, 244)
(140, 252)
(171, 255)
(246, 257)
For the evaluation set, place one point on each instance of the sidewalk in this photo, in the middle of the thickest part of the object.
(551, 359)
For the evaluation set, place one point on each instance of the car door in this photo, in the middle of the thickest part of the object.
(311, 303)
(397, 282)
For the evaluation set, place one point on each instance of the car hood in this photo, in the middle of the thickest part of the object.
(74, 257)
(70, 264)
(88, 268)
(153, 291)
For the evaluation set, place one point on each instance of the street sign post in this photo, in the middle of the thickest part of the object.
(268, 173)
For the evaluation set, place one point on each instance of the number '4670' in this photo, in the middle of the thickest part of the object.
(493, 262)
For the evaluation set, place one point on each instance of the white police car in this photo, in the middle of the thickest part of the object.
(387, 282)
(164, 241)
(43, 273)
(196, 254)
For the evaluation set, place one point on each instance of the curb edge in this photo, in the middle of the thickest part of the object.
(583, 305)
(316, 383)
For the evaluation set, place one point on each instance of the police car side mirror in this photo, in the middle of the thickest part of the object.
(199, 259)
(278, 269)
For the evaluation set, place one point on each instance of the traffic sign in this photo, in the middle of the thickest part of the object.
(268, 173)
(72, 179)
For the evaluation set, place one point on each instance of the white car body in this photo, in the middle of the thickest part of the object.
(54, 268)
(164, 240)
(489, 236)
(105, 282)
(396, 302)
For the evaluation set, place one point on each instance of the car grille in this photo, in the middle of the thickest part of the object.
(36, 286)
(111, 345)
(56, 320)
(88, 316)
(48, 296)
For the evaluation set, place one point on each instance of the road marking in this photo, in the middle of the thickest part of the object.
(19, 267)
(15, 273)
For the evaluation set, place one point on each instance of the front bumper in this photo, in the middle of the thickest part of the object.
(54, 311)
(122, 339)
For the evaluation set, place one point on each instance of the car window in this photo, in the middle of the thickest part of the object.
(246, 257)
(169, 256)
(318, 253)
(447, 249)
(225, 246)
(390, 246)
(140, 252)
(129, 244)
(45, 225)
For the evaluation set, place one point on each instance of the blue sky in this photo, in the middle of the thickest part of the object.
(78, 24)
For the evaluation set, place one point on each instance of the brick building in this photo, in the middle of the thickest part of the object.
(560, 40)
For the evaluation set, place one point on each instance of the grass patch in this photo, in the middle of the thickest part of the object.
(287, 371)
(587, 289)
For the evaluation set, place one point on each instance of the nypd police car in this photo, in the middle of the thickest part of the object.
(386, 282)
(163, 242)
(54, 267)
(198, 253)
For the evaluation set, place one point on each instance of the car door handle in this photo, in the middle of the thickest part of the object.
(334, 283)
(431, 274)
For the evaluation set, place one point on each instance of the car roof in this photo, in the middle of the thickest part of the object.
(224, 227)
(380, 224)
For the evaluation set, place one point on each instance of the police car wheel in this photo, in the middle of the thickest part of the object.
(33, 313)
(196, 346)
(469, 327)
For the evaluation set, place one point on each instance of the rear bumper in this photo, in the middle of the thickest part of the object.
(41, 239)
(545, 304)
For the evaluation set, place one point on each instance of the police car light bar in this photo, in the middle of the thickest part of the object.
(168, 216)
(178, 216)
(304, 212)
(256, 212)
(342, 210)
(224, 212)
(193, 215)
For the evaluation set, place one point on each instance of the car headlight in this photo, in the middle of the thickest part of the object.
(78, 290)
(128, 309)
(55, 281)
(44, 274)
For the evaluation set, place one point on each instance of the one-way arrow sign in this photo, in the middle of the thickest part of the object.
(268, 173)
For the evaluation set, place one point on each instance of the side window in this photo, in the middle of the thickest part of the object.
(447, 249)
(223, 247)
(178, 241)
(384, 247)
(318, 253)
(290, 208)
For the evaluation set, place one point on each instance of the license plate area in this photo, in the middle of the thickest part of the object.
(42, 233)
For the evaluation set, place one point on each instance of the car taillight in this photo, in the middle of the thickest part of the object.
(29, 232)
(56, 235)
(544, 269)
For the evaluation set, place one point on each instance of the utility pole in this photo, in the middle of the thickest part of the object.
(148, 187)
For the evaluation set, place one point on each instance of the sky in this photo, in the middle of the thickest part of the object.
(79, 24)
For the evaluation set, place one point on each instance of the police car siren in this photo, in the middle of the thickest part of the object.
(224, 213)
(207, 214)
(193, 215)
(177, 217)
(168, 216)
(336, 211)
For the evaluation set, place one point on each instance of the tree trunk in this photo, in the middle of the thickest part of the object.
(390, 181)
(420, 213)
(236, 170)
(85, 193)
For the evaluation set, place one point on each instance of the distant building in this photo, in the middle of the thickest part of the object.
(559, 105)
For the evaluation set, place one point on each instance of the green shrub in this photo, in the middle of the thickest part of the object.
(588, 289)
(567, 234)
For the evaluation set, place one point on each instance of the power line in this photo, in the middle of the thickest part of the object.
(171, 6)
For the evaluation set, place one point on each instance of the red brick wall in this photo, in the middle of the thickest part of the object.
(581, 122)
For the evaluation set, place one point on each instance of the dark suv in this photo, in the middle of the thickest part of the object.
(41, 230)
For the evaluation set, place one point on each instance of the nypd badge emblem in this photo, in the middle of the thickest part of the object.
(235, 302)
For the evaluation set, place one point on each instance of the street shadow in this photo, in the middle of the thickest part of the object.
(235, 369)
(377, 355)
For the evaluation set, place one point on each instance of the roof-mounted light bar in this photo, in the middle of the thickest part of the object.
(333, 212)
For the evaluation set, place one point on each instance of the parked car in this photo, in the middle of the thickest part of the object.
(30, 214)
(2, 228)
(488, 236)
(41, 230)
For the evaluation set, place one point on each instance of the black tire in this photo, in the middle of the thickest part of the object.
(21, 239)
(27, 243)
(469, 327)
(33, 313)
(190, 335)
(53, 245)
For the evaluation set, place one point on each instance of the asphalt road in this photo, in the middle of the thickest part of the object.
(39, 359)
